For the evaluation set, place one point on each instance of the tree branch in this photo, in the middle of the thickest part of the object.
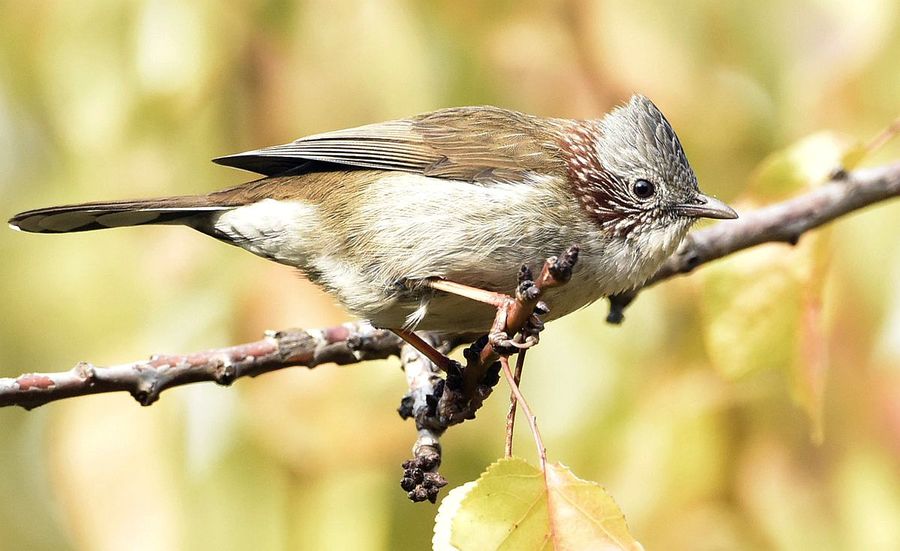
(145, 380)
(357, 342)
(421, 480)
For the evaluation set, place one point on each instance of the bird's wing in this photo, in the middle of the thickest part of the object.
(479, 144)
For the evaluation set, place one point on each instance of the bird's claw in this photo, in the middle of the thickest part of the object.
(504, 345)
(528, 337)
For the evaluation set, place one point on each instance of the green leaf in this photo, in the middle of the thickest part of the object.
(762, 308)
(506, 508)
(583, 515)
(443, 523)
(853, 156)
(751, 311)
(515, 506)
(810, 367)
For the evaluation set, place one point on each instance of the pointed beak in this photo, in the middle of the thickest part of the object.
(706, 207)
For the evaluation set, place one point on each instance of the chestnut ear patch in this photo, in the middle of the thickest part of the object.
(604, 196)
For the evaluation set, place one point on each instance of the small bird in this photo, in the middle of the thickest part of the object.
(377, 214)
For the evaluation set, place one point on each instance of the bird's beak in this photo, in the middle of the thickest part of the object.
(706, 207)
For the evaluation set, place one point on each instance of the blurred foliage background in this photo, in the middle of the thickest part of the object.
(753, 405)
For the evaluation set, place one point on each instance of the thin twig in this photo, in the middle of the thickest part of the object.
(532, 420)
(511, 416)
(425, 349)
(883, 137)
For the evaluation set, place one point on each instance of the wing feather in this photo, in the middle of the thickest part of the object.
(469, 143)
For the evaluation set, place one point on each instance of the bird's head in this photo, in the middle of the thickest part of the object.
(632, 178)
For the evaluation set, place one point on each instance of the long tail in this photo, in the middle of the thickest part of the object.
(192, 210)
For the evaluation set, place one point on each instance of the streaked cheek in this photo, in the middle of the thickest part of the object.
(674, 233)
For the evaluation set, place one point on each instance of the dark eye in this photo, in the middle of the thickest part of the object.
(643, 189)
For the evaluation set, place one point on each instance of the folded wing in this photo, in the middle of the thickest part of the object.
(479, 144)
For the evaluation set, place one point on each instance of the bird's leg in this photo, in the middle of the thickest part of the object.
(527, 337)
(501, 302)
(497, 300)
(530, 333)
(498, 336)
(443, 363)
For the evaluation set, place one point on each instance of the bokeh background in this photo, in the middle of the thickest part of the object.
(752, 405)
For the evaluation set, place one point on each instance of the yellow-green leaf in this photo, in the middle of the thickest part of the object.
(853, 156)
(802, 165)
(762, 307)
(583, 515)
(443, 523)
(506, 509)
(812, 365)
(515, 506)
(751, 310)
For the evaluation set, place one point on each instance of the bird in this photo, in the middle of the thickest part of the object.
(379, 215)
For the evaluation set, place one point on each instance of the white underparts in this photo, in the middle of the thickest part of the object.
(417, 315)
(271, 228)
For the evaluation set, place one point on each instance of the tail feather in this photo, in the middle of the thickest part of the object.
(192, 211)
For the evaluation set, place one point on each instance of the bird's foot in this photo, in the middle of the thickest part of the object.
(505, 345)
(529, 336)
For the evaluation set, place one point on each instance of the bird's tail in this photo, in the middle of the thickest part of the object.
(192, 210)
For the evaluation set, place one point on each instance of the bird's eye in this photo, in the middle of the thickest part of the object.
(643, 189)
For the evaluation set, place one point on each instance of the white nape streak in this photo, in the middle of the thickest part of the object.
(271, 228)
